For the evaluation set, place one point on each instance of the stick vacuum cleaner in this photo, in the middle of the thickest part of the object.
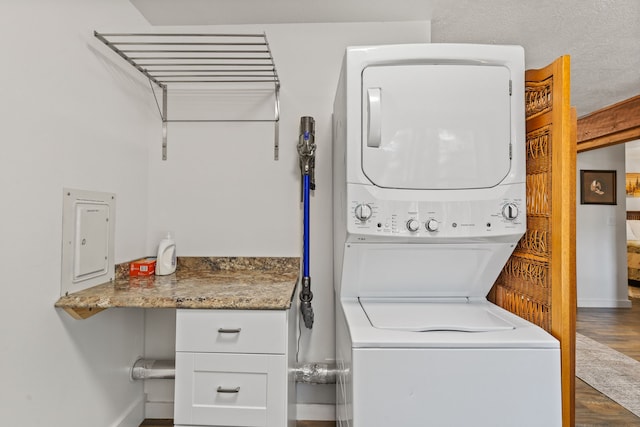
(307, 154)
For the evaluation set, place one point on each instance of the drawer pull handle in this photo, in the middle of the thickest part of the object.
(228, 390)
(229, 331)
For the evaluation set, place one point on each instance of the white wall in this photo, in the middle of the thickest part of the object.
(75, 115)
(222, 194)
(72, 116)
(601, 252)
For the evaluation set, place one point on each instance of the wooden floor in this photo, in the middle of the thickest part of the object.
(618, 328)
(157, 423)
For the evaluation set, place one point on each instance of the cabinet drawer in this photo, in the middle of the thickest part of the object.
(231, 331)
(245, 390)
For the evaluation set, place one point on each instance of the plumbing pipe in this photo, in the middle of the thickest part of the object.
(150, 369)
(308, 373)
(316, 373)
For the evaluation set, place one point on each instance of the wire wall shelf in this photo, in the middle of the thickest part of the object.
(179, 60)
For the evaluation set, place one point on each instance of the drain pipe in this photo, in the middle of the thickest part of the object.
(307, 373)
(150, 369)
(316, 373)
(307, 153)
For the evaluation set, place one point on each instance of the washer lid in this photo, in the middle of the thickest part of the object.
(406, 315)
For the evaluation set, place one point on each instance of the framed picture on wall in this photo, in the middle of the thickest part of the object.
(633, 184)
(598, 187)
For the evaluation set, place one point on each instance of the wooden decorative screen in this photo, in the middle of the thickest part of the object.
(538, 281)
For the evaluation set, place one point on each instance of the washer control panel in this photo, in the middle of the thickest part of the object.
(369, 216)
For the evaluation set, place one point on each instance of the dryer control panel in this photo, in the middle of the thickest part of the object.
(373, 218)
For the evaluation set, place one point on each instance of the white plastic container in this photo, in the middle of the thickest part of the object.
(166, 261)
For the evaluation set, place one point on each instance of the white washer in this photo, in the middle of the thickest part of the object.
(429, 203)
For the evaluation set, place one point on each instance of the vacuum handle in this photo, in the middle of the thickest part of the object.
(307, 148)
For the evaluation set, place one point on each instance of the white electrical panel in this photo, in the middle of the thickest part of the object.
(91, 242)
(88, 230)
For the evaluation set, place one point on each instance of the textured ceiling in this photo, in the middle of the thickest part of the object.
(602, 36)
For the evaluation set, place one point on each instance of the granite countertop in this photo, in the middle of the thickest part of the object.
(239, 283)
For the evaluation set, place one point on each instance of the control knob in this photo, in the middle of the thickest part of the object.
(432, 225)
(413, 225)
(510, 211)
(363, 212)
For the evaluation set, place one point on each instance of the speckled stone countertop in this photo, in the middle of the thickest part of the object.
(240, 283)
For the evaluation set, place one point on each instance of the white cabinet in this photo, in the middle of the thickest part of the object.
(232, 368)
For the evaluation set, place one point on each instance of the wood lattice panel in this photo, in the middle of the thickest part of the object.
(538, 281)
(538, 97)
(523, 287)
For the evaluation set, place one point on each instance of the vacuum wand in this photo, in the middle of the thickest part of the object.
(307, 154)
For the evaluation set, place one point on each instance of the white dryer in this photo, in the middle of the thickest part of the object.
(429, 203)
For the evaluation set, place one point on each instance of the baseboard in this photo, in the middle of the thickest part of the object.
(132, 416)
(603, 303)
(315, 412)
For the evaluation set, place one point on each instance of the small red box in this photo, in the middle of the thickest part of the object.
(142, 267)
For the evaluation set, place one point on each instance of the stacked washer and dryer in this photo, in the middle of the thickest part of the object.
(429, 203)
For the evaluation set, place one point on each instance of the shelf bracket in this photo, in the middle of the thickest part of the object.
(165, 119)
(276, 126)
(195, 58)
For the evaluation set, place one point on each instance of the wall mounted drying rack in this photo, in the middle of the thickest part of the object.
(198, 59)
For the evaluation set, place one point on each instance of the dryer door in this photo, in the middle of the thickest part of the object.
(436, 126)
